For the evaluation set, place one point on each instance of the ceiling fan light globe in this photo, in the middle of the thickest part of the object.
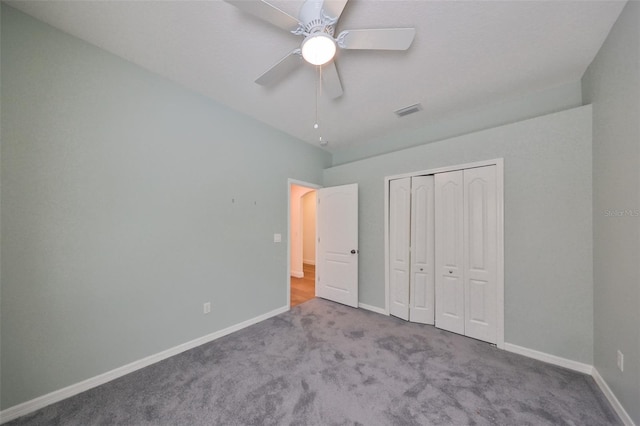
(318, 49)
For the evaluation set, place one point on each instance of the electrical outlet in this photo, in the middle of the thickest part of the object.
(207, 307)
(620, 361)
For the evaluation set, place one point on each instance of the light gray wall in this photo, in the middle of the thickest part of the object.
(117, 213)
(419, 129)
(0, 205)
(548, 244)
(612, 85)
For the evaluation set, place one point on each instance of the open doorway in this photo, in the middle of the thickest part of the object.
(302, 235)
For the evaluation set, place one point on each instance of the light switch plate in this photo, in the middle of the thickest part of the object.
(277, 238)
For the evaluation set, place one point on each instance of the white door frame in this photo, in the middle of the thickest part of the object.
(499, 163)
(306, 185)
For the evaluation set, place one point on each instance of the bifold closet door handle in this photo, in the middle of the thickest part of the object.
(354, 251)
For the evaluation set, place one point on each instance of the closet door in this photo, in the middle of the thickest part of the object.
(399, 234)
(422, 270)
(480, 260)
(449, 253)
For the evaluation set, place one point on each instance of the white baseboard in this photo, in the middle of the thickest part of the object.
(297, 274)
(69, 391)
(606, 390)
(551, 359)
(372, 308)
(580, 367)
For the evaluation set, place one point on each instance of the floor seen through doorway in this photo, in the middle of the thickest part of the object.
(303, 289)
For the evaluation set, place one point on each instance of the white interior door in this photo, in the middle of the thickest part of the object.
(422, 285)
(337, 250)
(480, 260)
(449, 286)
(399, 240)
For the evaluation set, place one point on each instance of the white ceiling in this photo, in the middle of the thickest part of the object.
(466, 54)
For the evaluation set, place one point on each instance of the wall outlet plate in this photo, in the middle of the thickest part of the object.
(206, 307)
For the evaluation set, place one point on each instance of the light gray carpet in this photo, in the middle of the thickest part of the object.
(327, 364)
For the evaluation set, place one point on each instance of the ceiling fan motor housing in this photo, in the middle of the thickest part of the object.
(314, 18)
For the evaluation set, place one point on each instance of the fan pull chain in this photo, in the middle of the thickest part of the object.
(318, 94)
(315, 126)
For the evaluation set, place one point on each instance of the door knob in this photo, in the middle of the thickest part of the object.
(451, 272)
(421, 269)
(354, 251)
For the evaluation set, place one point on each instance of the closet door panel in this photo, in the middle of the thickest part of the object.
(480, 243)
(422, 286)
(399, 240)
(449, 253)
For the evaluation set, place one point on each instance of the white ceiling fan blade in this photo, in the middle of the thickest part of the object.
(281, 69)
(331, 81)
(267, 12)
(334, 8)
(377, 39)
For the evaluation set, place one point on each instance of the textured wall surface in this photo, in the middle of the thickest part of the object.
(612, 85)
(127, 202)
(547, 223)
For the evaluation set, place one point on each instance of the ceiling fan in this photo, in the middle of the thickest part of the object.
(316, 23)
